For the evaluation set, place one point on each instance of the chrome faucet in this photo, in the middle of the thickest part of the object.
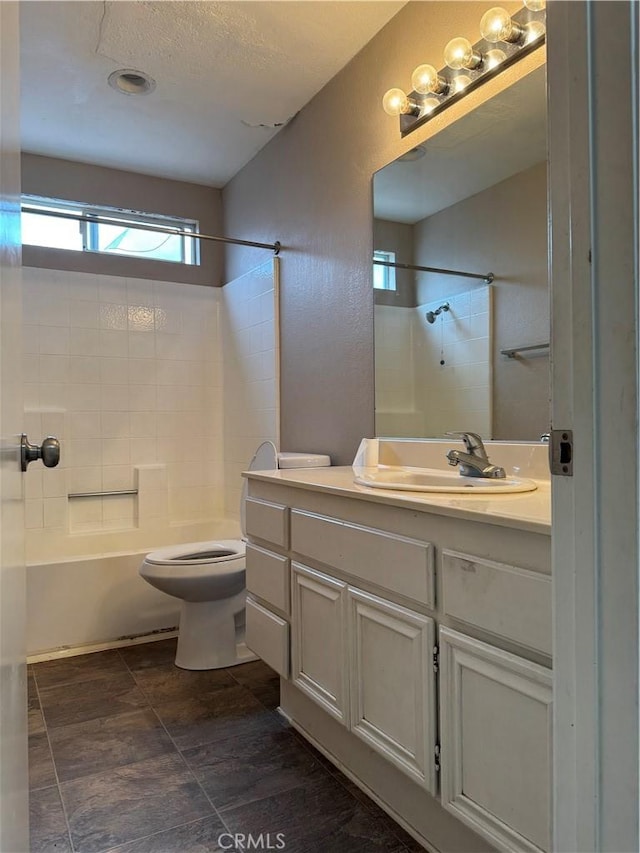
(475, 462)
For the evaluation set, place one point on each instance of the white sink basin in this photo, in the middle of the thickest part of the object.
(434, 480)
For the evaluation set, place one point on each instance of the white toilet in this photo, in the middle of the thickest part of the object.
(209, 577)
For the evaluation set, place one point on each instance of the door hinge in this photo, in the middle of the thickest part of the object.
(561, 452)
(436, 753)
(436, 659)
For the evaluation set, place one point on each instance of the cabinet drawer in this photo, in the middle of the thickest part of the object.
(508, 601)
(393, 562)
(268, 521)
(268, 577)
(268, 636)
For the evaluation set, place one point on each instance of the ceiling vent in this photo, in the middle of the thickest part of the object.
(131, 82)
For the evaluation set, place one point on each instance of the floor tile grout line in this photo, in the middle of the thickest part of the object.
(83, 680)
(187, 765)
(154, 834)
(217, 812)
(329, 768)
(55, 768)
(175, 746)
(337, 774)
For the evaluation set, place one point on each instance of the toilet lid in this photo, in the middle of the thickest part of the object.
(264, 459)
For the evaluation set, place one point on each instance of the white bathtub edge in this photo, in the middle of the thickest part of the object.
(90, 648)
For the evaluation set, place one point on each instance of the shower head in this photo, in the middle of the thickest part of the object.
(431, 315)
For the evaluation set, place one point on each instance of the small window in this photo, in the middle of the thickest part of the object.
(86, 228)
(384, 278)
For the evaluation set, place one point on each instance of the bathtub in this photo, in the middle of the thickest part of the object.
(84, 603)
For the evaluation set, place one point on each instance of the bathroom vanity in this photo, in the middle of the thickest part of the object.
(412, 633)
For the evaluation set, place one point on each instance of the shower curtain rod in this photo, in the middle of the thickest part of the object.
(486, 277)
(113, 220)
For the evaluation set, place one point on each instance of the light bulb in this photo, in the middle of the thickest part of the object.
(533, 31)
(535, 5)
(426, 80)
(395, 102)
(494, 57)
(460, 83)
(429, 105)
(459, 53)
(496, 25)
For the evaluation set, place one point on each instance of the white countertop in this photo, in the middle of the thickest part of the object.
(525, 511)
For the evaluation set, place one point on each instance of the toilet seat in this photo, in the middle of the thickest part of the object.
(218, 552)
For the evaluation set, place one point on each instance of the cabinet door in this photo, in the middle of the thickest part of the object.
(495, 725)
(393, 684)
(319, 654)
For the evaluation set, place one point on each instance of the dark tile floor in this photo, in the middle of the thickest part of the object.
(129, 754)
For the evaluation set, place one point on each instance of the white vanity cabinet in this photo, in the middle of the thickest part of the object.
(393, 687)
(415, 651)
(267, 572)
(319, 646)
(495, 728)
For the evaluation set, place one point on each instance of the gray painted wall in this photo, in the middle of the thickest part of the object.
(64, 179)
(396, 237)
(310, 187)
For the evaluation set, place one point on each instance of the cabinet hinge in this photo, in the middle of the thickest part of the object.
(436, 658)
(436, 753)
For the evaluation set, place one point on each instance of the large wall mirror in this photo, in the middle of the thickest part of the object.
(471, 198)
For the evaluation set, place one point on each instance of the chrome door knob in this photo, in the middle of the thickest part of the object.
(48, 451)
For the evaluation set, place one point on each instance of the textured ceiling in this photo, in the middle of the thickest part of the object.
(221, 68)
(502, 137)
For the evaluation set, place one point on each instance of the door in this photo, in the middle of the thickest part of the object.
(318, 639)
(495, 729)
(392, 684)
(14, 836)
(593, 157)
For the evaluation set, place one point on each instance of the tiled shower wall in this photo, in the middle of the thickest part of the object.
(248, 314)
(453, 363)
(127, 373)
(416, 394)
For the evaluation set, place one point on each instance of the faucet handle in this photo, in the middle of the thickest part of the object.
(472, 442)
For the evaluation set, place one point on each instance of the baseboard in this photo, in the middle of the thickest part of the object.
(363, 787)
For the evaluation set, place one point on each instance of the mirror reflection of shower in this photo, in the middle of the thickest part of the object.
(431, 315)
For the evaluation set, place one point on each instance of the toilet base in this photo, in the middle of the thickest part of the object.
(243, 655)
(211, 634)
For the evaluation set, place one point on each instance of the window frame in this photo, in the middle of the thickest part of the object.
(90, 230)
(388, 273)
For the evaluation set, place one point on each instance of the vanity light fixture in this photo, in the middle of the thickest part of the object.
(460, 53)
(497, 25)
(505, 39)
(397, 103)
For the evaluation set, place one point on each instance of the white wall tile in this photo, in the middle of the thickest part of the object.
(141, 345)
(33, 514)
(85, 342)
(54, 340)
(141, 318)
(114, 343)
(84, 314)
(112, 289)
(114, 371)
(129, 367)
(55, 512)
